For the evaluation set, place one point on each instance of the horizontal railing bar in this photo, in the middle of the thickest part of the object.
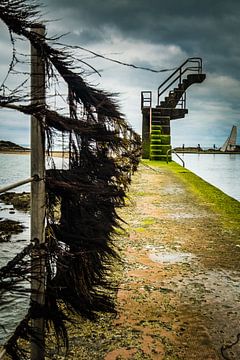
(2, 354)
(18, 183)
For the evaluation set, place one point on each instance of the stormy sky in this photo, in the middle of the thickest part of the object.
(157, 34)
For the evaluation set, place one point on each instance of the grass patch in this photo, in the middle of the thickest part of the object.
(222, 204)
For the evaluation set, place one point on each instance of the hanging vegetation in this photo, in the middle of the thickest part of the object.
(81, 218)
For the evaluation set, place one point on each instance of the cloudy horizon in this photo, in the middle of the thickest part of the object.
(155, 34)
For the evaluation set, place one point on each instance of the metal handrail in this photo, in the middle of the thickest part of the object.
(146, 97)
(3, 353)
(173, 151)
(19, 183)
(179, 72)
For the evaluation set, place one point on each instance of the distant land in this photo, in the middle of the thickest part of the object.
(192, 149)
(8, 146)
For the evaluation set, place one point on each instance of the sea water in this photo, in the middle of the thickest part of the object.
(220, 170)
(13, 307)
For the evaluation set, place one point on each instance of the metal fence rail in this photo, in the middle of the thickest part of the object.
(18, 183)
(173, 151)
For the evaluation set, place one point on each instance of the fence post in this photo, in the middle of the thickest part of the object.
(38, 201)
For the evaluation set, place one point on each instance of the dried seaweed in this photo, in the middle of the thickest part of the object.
(103, 152)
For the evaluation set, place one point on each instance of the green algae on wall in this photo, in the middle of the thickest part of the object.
(222, 204)
(159, 144)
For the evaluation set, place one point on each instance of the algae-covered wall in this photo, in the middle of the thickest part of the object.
(145, 133)
(157, 142)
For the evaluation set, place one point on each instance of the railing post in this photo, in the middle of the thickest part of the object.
(37, 201)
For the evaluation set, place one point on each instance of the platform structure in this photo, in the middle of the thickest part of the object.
(156, 133)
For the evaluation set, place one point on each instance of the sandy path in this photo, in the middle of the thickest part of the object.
(179, 298)
(179, 287)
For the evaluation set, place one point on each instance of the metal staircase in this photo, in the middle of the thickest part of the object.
(156, 121)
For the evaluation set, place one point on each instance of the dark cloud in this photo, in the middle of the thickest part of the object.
(159, 34)
(152, 19)
(205, 28)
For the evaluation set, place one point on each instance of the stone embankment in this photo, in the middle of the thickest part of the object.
(178, 284)
(179, 290)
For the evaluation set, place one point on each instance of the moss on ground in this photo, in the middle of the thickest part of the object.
(225, 206)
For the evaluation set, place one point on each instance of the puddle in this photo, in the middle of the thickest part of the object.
(171, 257)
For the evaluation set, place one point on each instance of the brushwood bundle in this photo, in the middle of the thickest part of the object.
(81, 219)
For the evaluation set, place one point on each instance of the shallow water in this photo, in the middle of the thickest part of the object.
(15, 167)
(13, 307)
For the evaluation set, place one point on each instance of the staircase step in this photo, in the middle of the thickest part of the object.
(156, 127)
(155, 148)
(165, 139)
(154, 142)
(173, 113)
(196, 78)
(156, 136)
(159, 157)
(167, 110)
(156, 132)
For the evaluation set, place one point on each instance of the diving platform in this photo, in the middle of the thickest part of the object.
(156, 137)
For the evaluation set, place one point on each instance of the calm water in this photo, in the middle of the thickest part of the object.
(13, 307)
(220, 170)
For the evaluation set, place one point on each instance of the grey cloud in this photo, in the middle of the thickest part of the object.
(205, 28)
(198, 28)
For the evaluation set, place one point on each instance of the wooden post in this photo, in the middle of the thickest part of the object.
(37, 198)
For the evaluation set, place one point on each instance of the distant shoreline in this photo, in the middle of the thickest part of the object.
(58, 153)
(206, 152)
(28, 152)
(13, 151)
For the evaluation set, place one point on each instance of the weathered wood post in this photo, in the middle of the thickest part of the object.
(37, 198)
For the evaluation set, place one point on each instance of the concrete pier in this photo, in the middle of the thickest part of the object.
(178, 287)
